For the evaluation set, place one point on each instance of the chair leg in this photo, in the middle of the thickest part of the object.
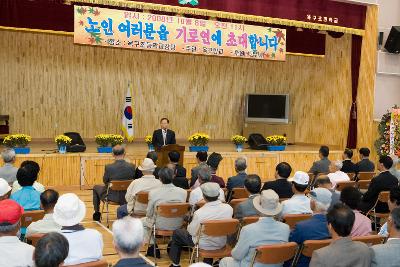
(108, 223)
(154, 244)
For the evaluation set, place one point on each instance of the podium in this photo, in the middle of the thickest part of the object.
(162, 154)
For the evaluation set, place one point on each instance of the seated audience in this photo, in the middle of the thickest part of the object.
(51, 250)
(383, 182)
(335, 174)
(213, 161)
(362, 224)
(28, 197)
(5, 189)
(181, 182)
(37, 186)
(153, 156)
(299, 203)
(322, 165)
(393, 202)
(166, 193)
(237, 181)
(348, 166)
(119, 170)
(365, 165)
(266, 231)
(147, 182)
(8, 172)
(13, 252)
(128, 246)
(315, 228)
(174, 157)
(204, 176)
(281, 185)
(252, 183)
(48, 200)
(323, 181)
(342, 251)
(201, 158)
(387, 254)
(85, 245)
(393, 170)
(214, 209)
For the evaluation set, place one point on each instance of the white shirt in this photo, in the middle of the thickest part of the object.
(37, 186)
(145, 183)
(84, 246)
(297, 204)
(14, 253)
(164, 135)
(215, 210)
(46, 225)
(338, 176)
(197, 195)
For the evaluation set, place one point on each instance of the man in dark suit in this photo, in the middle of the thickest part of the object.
(237, 181)
(174, 157)
(322, 165)
(178, 181)
(120, 170)
(365, 165)
(252, 183)
(281, 186)
(348, 165)
(383, 182)
(163, 136)
(153, 156)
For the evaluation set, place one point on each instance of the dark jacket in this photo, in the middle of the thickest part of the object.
(320, 166)
(158, 140)
(348, 166)
(133, 262)
(181, 182)
(365, 165)
(281, 186)
(180, 171)
(236, 181)
(218, 180)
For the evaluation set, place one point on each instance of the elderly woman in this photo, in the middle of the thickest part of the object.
(336, 175)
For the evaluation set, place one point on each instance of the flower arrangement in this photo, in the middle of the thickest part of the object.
(199, 139)
(116, 139)
(17, 140)
(148, 139)
(104, 140)
(62, 140)
(276, 140)
(382, 144)
(238, 139)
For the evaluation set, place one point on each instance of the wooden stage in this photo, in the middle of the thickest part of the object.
(86, 169)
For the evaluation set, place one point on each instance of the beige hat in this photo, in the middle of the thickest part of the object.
(4, 187)
(268, 203)
(210, 189)
(69, 210)
(300, 178)
(147, 165)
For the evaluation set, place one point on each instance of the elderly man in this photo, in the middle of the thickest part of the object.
(214, 209)
(393, 170)
(201, 158)
(153, 156)
(238, 179)
(322, 165)
(51, 250)
(281, 185)
(299, 203)
(342, 251)
(252, 183)
(266, 231)
(120, 170)
(8, 171)
(323, 181)
(128, 246)
(13, 252)
(5, 189)
(335, 173)
(147, 182)
(166, 193)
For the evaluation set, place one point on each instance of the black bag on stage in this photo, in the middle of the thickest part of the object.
(77, 144)
(257, 141)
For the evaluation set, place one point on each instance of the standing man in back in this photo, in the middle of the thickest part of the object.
(163, 136)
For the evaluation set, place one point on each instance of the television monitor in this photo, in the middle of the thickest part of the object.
(267, 108)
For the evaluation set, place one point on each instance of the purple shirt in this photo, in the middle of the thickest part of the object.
(362, 225)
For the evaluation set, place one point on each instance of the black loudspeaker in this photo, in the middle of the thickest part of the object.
(77, 144)
(257, 141)
(393, 41)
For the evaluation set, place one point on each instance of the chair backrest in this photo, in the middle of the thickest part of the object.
(365, 175)
(236, 201)
(220, 227)
(370, 239)
(292, 219)
(100, 263)
(240, 193)
(201, 203)
(351, 175)
(142, 197)
(249, 220)
(188, 194)
(310, 245)
(120, 185)
(31, 216)
(275, 254)
(344, 184)
(363, 184)
(384, 196)
(173, 210)
(34, 238)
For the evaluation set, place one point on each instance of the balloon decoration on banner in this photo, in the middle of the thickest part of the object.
(192, 2)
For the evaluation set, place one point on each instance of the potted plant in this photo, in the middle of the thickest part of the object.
(198, 142)
(238, 140)
(276, 143)
(149, 141)
(62, 141)
(116, 139)
(19, 142)
(104, 143)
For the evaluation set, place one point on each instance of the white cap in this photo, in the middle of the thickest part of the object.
(210, 189)
(4, 187)
(147, 165)
(300, 178)
(69, 210)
